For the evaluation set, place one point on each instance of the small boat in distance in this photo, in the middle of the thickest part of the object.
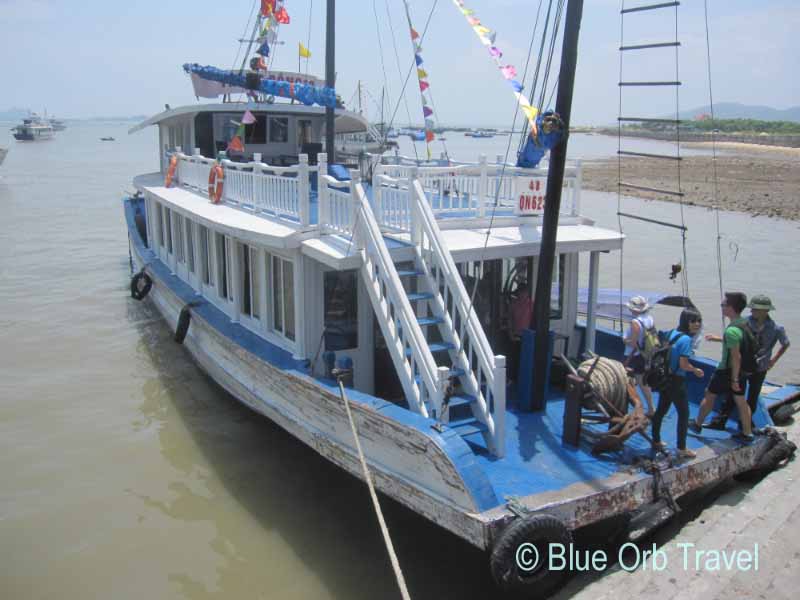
(34, 128)
(106, 139)
(57, 124)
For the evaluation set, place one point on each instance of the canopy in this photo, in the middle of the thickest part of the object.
(608, 301)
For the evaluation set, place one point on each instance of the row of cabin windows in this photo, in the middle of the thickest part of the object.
(176, 233)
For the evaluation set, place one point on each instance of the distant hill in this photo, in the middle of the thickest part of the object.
(734, 110)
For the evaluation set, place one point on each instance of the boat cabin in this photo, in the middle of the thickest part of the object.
(411, 280)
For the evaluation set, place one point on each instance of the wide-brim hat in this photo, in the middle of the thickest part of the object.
(761, 302)
(638, 304)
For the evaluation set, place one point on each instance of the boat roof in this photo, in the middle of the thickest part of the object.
(346, 121)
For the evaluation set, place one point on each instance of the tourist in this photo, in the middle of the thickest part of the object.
(675, 392)
(768, 333)
(729, 376)
(635, 343)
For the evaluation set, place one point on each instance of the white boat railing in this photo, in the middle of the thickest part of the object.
(336, 205)
(282, 192)
(485, 373)
(478, 189)
(419, 374)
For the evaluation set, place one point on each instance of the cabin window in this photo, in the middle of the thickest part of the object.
(189, 245)
(205, 262)
(223, 266)
(159, 223)
(251, 297)
(179, 252)
(278, 130)
(341, 310)
(168, 228)
(256, 133)
(283, 297)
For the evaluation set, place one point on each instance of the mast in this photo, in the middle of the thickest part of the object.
(555, 181)
(330, 76)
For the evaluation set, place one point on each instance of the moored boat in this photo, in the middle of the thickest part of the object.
(284, 273)
(33, 129)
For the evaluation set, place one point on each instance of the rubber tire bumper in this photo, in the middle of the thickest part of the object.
(540, 531)
(138, 289)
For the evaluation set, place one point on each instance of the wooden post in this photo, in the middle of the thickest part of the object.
(330, 76)
(303, 191)
(322, 190)
(355, 181)
(555, 182)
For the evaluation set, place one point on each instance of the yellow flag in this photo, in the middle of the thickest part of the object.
(421, 73)
(304, 52)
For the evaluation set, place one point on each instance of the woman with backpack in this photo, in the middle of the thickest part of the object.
(642, 325)
(674, 390)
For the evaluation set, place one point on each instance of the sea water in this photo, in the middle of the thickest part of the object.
(127, 473)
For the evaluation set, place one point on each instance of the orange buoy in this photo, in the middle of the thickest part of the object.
(173, 166)
(216, 177)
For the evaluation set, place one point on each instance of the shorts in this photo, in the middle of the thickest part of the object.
(636, 364)
(721, 382)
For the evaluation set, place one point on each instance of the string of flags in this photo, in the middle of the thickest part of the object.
(509, 72)
(422, 78)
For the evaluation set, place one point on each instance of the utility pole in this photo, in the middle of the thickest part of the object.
(555, 182)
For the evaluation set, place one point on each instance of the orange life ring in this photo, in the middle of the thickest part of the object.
(173, 166)
(216, 177)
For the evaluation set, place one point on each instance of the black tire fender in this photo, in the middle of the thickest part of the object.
(140, 285)
(514, 547)
(184, 319)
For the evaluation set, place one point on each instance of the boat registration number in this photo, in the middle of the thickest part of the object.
(530, 193)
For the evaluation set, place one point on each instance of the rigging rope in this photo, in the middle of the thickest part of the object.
(400, 72)
(685, 269)
(713, 158)
(619, 166)
(308, 39)
(527, 64)
(423, 85)
(398, 573)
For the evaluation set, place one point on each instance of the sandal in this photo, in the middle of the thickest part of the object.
(686, 454)
(660, 446)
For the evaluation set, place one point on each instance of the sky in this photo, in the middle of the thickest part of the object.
(87, 58)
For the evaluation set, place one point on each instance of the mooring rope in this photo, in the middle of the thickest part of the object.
(714, 158)
(398, 573)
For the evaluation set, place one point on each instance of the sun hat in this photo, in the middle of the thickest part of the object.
(638, 304)
(761, 302)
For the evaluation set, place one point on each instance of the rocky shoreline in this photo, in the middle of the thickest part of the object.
(760, 180)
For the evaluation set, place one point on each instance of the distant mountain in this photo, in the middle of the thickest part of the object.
(734, 110)
(13, 114)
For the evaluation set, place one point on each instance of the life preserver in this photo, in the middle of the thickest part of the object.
(216, 177)
(140, 285)
(173, 166)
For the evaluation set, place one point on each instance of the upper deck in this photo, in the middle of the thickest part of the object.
(485, 210)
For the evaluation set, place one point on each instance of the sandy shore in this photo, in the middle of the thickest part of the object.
(760, 180)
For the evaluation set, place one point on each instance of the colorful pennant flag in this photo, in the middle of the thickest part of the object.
(422, 76)
(263, 49)
(267, 6)
(509, 72)
(248, 118)
(281, 16)
(304, 52)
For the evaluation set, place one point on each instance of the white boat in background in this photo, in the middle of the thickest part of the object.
(57, 124)
(33, 129)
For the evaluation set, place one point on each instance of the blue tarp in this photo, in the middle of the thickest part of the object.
(307, 94)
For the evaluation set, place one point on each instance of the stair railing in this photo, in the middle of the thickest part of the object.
(485, 372)
(422, 380)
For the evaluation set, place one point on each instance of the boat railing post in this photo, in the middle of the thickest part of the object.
(499, 413)
(227, 164)
(257, 166)
(443, 376)
(576, 189)
(377, 198)
(414, 219)
(483, 186)
(322, 189)
(303, 190)
(355, 183)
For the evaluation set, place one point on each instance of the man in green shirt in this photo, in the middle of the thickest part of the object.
(729, 376)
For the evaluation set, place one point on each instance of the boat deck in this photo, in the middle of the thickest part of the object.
(537, 460)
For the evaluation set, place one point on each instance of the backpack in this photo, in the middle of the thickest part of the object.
(651, 343)
(749, 349)
(659, 372)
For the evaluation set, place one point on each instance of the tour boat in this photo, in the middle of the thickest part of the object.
(283, 274)
(33, 129)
